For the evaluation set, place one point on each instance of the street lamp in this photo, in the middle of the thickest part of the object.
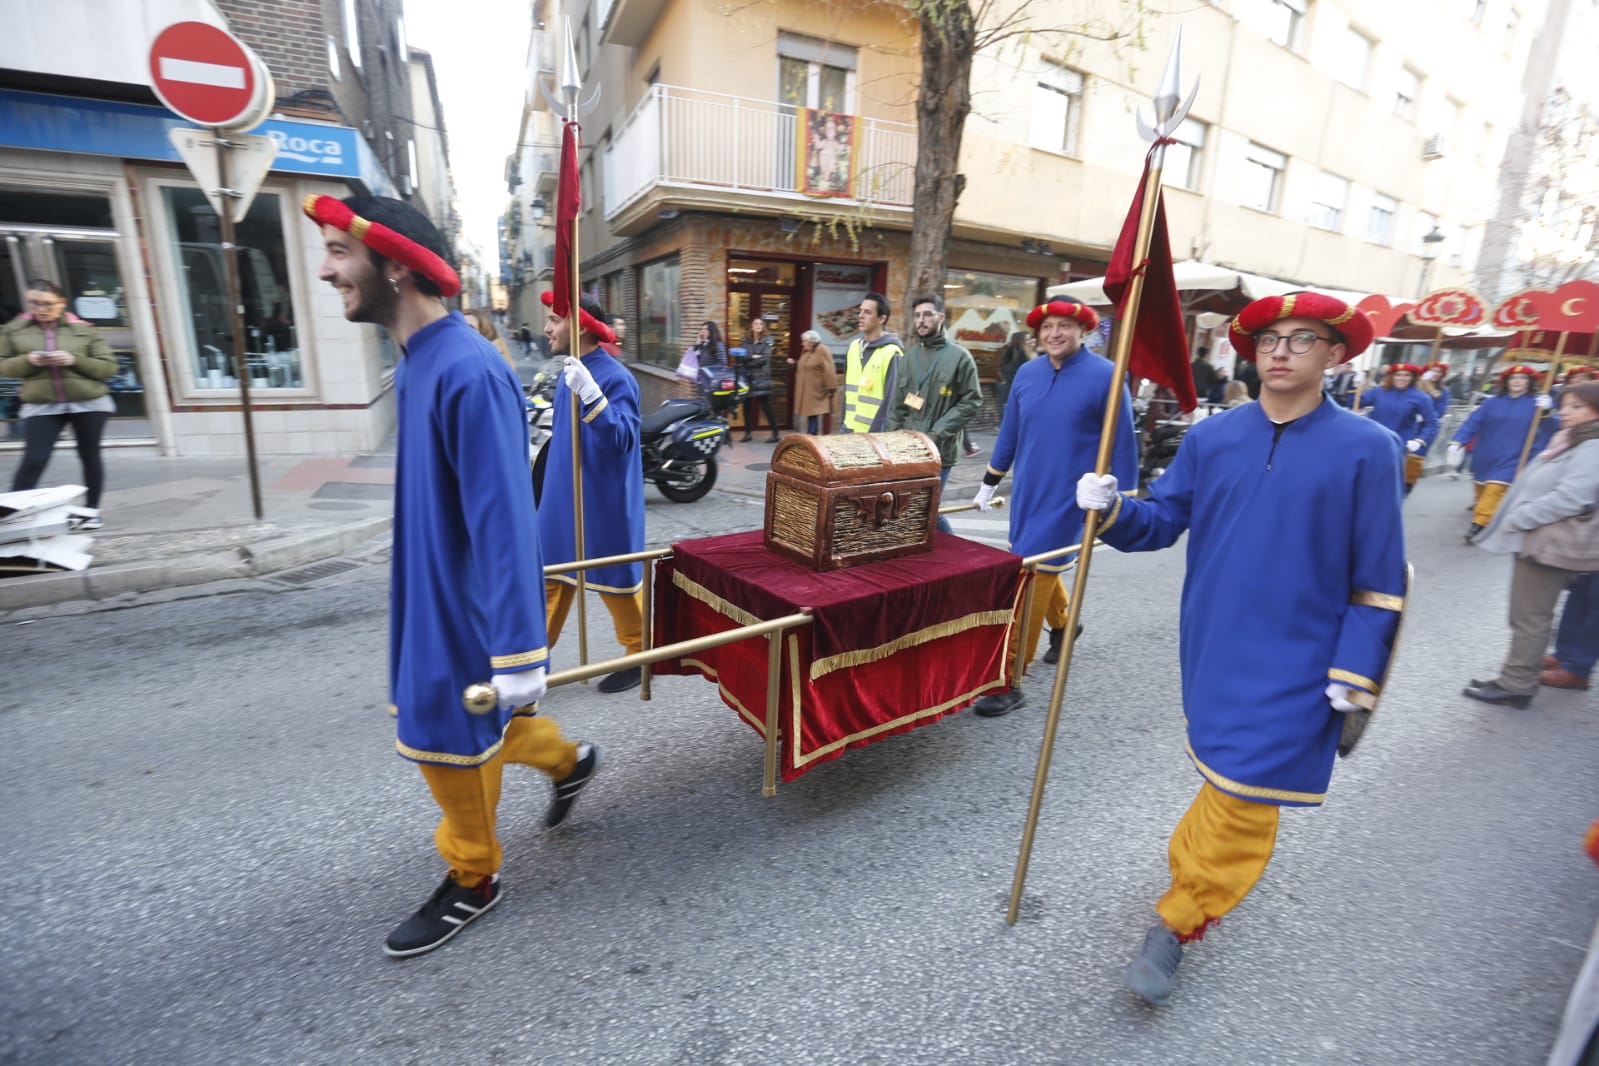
(1429, 252)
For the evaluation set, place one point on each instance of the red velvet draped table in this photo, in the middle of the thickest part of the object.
(892, 645)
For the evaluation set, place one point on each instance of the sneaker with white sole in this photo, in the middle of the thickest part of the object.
(447, 912)
(86, 521)
(569, 787)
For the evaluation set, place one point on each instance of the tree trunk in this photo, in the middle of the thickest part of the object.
(942, 104)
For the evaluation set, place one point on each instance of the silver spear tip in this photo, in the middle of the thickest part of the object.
(1170, 93)
(571, 82)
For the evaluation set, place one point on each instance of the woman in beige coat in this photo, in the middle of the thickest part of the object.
(815, 381)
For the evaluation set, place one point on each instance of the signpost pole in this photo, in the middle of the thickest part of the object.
(230, 265)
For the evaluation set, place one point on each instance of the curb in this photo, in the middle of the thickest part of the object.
(252, 560)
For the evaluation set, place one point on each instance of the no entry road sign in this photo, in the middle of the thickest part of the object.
(209, 77)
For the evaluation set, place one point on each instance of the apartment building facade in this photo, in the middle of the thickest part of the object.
(761, 162)
(94, 197)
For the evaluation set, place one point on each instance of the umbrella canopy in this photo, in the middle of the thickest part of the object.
(1204, 286)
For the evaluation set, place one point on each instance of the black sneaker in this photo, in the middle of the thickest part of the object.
(445, 913)
(568, 787)
(85, 523)
(1154, 972)
(998, 703)
(621, 681)
(1056, 639)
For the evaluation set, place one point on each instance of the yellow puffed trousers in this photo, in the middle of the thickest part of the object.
(1489, 496)
(468, 795)
(627, 613)
(1217, 853)
(1048, 598)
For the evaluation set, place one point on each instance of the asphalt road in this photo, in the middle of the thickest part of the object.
(211, 835)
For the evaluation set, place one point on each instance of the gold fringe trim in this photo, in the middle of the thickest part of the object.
(709, 673)
(525, 658)
(1115, 512)
(447, 758)
(1349, 678)
(1368, 598)
(803, 759)
(1227, 784)
(601, 404)
(861, 656)
(699, 592)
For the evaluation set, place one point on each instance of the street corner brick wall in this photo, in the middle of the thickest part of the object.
(290, 36)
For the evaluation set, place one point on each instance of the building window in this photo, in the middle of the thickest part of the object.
(1262, 180)
(401, 48)
(1353, 59)
(983, 310)
(352, 33)
(658, 333)
(1327, 202)
(1380, 223)
(333, 57)
(1284, 22)
(1183, 158)
(815, 73)
(1407, 90)
(410, 162)
(1057, 108)
(272, 347)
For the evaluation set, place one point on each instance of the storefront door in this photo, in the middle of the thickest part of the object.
(83, 262)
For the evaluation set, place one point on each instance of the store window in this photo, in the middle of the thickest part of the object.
(981, 311)
(659, 330)
(272, 347)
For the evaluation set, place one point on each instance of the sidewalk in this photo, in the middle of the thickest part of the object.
(187, 521)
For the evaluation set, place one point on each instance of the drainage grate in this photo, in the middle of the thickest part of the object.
(381, 462)
(353, 490)
(305, 575)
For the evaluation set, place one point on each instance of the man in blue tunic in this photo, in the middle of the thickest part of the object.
(1400, 405)
(466, 600)
(1497, 433)
(1276, 652)
(1049, 432)
(613, 483)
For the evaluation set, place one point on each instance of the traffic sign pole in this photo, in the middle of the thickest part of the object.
(230, 266)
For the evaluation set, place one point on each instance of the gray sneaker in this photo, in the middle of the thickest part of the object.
(1154, 972)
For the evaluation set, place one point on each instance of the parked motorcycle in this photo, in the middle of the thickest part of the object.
(678, 440)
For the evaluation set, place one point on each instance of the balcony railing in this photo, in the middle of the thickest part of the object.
(691, 138)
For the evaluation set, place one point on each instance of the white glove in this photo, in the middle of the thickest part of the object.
(1415, 445)
(519, 689)
(1339, 695)
(1095, 493)
(1456, 451)
(985, 493)
(1543, 401)
(580, 381)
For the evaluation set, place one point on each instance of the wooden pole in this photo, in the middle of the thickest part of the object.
(1123, 349)
(1537, 415)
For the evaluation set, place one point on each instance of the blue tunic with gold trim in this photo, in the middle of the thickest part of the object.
(1499, 428)
(1296, 570)
(1049, 435)
(613, 480)
(468, 598)
(1409, 412)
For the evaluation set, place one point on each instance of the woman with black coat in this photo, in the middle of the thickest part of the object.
(757, 367)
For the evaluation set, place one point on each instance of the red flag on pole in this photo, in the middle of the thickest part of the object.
(1160, 343)
(568, 199)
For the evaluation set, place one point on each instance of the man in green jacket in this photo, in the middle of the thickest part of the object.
(937, 393)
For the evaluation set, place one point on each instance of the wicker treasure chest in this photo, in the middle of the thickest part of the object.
(855, 498)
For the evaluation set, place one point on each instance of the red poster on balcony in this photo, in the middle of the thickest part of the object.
(827, 157)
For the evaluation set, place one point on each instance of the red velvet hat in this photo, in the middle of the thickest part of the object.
(327, 211)
(590, 325)
(1082, 314)
(1436, 366)
(1510, 371)
(1402, 368)
(1354, 326)
(1577, 373)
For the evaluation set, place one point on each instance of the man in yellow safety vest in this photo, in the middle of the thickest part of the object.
(871, 368)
